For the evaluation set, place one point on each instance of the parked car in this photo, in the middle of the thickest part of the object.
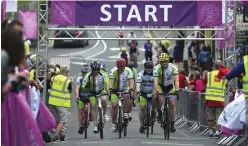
(68, 34)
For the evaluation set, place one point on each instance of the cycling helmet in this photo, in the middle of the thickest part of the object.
(102, 65)
(85, 69)
(123, 49)
(95, 66)
(121, 62)
(148, 65)
(164, 57)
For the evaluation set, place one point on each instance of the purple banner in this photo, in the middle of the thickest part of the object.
(137, 13)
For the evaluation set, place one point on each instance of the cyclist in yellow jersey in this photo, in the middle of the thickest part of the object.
(97, 85)
(121, 80)
(166, 80)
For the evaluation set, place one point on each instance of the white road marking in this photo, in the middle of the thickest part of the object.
(104, 48)
(167, 143)
(114, 57)
(78, 63)
(107, 60)
(118, 49)
(92, 142)
(82, 52)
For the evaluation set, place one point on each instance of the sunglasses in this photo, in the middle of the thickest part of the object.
(164, 61)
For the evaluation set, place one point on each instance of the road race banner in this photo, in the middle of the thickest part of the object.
(137, 13)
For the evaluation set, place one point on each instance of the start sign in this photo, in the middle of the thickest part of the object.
(137, 13)
(134, 13)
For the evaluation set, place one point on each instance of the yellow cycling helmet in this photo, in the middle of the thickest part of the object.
(123, 49)
(164, 57)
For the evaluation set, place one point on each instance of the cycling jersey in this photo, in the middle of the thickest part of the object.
(166, 76)
(100, 82)
(135, 74)
(121, 79)
(146, 81)
(106, 75)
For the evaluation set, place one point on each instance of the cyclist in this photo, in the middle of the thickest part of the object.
(121, 79)
(135, 74)
(80, 104)
(124, 54)
(166, 80)
(97, 85)
(144, 85)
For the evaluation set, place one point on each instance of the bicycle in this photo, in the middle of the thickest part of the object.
(165, 124)
(100, 120)
(121, 124)
(149, 121)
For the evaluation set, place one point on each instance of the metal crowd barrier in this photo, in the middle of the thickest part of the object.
(191, 112)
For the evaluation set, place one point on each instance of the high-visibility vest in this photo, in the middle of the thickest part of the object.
(57, 70)
(32, 74)
(245, 78)
(215, 90)
(59, 95)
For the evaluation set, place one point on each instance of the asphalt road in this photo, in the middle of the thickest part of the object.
(108, 51)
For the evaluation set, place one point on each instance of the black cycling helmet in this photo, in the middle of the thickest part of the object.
(95, 66)
(148, 65)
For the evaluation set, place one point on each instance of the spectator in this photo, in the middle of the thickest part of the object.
(178, 54)
(182, 79)
(199, 83)
(215, 93)
(61, 100)
(148, 50)
(203, 58)
(171, 53)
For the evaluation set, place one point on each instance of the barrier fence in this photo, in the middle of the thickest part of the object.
(191, 112)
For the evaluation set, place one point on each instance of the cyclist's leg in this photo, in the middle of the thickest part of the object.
(80, 116)
(130, 107)
(159, 103)
(93, 104)
(126, 103)
(172, 105)
(104, 107)
(114, 101)
(142, 113)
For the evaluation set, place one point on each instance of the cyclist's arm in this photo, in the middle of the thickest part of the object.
(155, 75)
(130, 78)
(156, 87)
(176, 76)
(111, 83)
(138, 82)
(77, 86)
(106, 83)
(111, 78)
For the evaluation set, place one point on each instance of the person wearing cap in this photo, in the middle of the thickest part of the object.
(215, 98)
(59, 99)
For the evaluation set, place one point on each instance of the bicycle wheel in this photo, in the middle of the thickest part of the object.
(166, 124)
(152, 120)
(119, 124)
(100, 124)
(86, 118)
(147, 119)
(125, 130)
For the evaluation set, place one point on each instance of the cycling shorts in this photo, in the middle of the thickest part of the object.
(115, 98)
(167, 89)
(92, 99)
(142, 100)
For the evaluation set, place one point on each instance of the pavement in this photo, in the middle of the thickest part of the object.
(107, 51)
